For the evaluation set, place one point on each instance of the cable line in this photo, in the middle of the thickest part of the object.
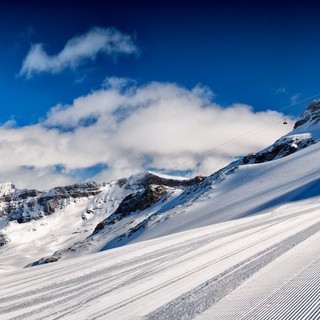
(239, 138)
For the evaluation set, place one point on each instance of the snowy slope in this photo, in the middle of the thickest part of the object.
(40, 227)
(183, 275)
(220, 196)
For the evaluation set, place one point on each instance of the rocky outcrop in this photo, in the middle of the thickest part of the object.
(85, 189)
(150, 179)
(312, 114)
(7, 189)
(139, 201)
(26, 205)
(45, 260)
(25, 194)
(3, 240)
(151, 188)
(281, 148)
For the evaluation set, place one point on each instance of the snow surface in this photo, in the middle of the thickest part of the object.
(266, 293)
(166, 176)
(73, 222)
(252, 189)
(180, 276)
(6, 188)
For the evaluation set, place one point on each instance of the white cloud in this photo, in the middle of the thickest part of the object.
(295, 98)
(281, 90)
(108, 41)
(130, 128)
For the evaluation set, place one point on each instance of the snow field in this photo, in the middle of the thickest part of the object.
(172, 277)
(288, 288)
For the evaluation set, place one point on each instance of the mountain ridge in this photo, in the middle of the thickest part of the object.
(99, 216)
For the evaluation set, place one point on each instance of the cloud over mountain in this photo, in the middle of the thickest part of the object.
(130, 128)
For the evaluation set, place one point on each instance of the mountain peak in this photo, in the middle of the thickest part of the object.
(6, 188)
(314, 106)
(311, 115)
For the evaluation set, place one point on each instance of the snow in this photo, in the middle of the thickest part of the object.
(266, 293)
(43, 237)
(166, 176)
(311, 126)
(179, 276)
(6, 188)
(252, 189)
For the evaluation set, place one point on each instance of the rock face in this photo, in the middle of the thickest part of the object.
(44, 261)
(151, 189)
(312, 114)
(119, 209)
(150, 179)
(139, 201)
(26, 205)
(281, 148)
(7, 189)
(3, 240)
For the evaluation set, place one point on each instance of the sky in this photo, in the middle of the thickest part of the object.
(103, 89)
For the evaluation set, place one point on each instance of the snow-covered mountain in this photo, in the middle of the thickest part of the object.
(242, 243)
(68, 221)
(37, 227)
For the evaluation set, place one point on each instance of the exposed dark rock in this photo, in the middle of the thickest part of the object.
(301, 122)
(153, 188)
(24, 219)
(25, 193)
(312, 114)
(122, 182)
(249, 158)
(284, 150)
(3, 240)
(6, 198)
(140, 226)
(44, 261)
(280, 149)
(26, 205)
(141, 200)
(53, 200)
(83, 189)
(154, 179)
(31, 203)
(74, 191)
(8, 192)
(54, 194)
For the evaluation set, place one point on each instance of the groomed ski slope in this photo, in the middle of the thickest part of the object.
(288, 288)
(184, 275)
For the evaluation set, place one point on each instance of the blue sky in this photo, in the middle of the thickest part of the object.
(264, 55)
